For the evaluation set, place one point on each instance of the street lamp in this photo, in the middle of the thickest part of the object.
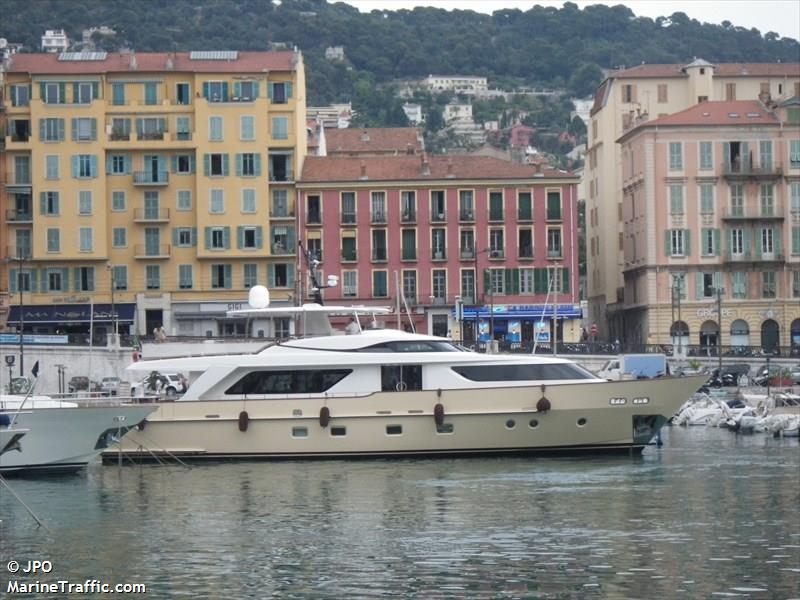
(556, 283)
(110, 268)
(718, 291)
(20, 259)
(491, 292)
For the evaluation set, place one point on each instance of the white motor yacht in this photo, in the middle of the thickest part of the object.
(391, 393)
(63, 435)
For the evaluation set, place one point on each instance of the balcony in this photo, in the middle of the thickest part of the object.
(14, 215)
(466, 215)
(408, 254)
(467, 254)
(19, 252)
(281, 176)
(753, 212)
(119, 136)
(150, 136)
(526, 253)
(278, 215)
(497, 254)
(379, 218)
(554, 216)
(151, 178)
(281, 249)
(738, 172)
(738, 257)
(524, 215)
(349, 256)
(769, 256)
(151, 215)
(496, 215)
(151, 251)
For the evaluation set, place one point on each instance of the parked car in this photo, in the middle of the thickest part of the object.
(795, 374)
(764, 376)
(79, 383)
(173, 384)
(110, 386)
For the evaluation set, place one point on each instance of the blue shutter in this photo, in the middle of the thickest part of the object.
(270, 90)
(34, 280)
(77, 279)
(162, 165)
(257, 163)
(175, 236)
(259, 237)
(240, 237)
(75, 92)
(288, 90)
(139, 127)
(41, 130)
(192, 164)
(226, 237)
(94, 129)
(74, 133)
(162, 125)
(43, 203)
(60, 123)
(226, 271)
(205, 90)
(206, 164)
(237, 89)
(208, 237)
(62, 93)
(128, 164)
(74, 162)
(225, 165)
(270, 276)
(238, 165)
(174, 161)
(109, 163)
(93, 165)
(13, 278)
(194, 236)
(224, 91)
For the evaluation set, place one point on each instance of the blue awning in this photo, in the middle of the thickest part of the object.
(72, 313)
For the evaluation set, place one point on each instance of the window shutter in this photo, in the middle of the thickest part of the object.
(77, 273)
(288, 88)
(256, 86)
(224, 91)
(744, 285)
(778, 245)
(226, 236)
(259, 237)
(208, 237)
(42, 92)
(34, 281)
(225, 165)
(175, 236)
(162, 165)
(668, 242)
(716, 242)
(90, 279)
(41, 130)
(109, 163)
(565, 280)
(174, 161)
(717, 279)
(205, 90)
(486, 283)
(237, 89)
(289, 275)
(45, 282)
(240, 237)
(729, 239)
(62, 93)
(75, 92)
(194, 236)
(128, 164)
(271, 276)
(698, 286)
(60, 123)
(43, 203)
(726, 153)
(192, 164)
(65, 279)
(13, 278)
(238, 165)
(257, 164)
(270, 90)
(95, 90)
(226, 269)
(93, 166)
(74, 166)
(290, 240)
(162, 124)
(687, 245)
(94, 129)
(746, 236)
(745, 160)
(74, 135)
(206, 164)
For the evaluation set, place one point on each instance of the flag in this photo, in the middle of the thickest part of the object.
(35, 370)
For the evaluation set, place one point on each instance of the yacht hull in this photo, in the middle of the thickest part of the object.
(61, 439)
(583, 417)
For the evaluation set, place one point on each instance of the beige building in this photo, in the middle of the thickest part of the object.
(161, 183)
(711, 202)
(655, 91)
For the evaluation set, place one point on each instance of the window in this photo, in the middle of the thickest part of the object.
(314, 216)
(497, 243)
(183, 164)
(739, 285)
(380, 287)
(119, 277)
(84, 279)
(350, 284)
(216, 204)
(767, 200)
(796, 284)
(19, 280)
(248, 200)
(151, 93)
(768, 284)
(526, 281)
(118, 200)
(84, 166)
(439, 285)
(84, 130)
(185, 277)
(737, 241)
(280, 203)
(553, 243)
(220, 276)
(280, 275)
(52, 130)
(767, 241)
(280, 166)
(23, 248)
(524, 207)
(216, 165)
(283, 239)
(628, 93)
(409, 279)
(400, 378)
(54, 240)
(183, 237)
(677, 242)
(408, 207)
(280, 128)
(379, 245)
(706, 156)
(408, 244)
(49, 203)
(314, 248)
(184, 200)
(183, 128)
(497, 281)
(710, 242)
(730, 91)
(467, 244)
(247, 128)
(468, 286)
(348, 214)
(249, 237)
(152, 276)
(53, 93)
(84, 202)
(676, 199)
(85, 235)
(675, 156)
(248, 164)
(495, 206)
(217, 238)
(524, 372)
(794, 154)
(796, 240)
(22, 170)
(118, 164)
(438, 244)
(437, 205)
(466, 206)
(737, 200)
(765, 155)
(378, 207)
(215, 91)
(214, 129)
(250, 275)
(554, 206)
(525, 243)
(120, 130)
(119, 237)
(51, 166)
(707, 199)
(182, 95)
(279, 92)
(795, 197)
(349, 250)
(316, 381)
(20, 95)
(56, 280)
(245, 90)
(662, 93)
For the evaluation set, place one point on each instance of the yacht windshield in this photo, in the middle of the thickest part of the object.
(524, 372)
(411, 346)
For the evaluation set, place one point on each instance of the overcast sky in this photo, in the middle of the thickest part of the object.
(780, 16)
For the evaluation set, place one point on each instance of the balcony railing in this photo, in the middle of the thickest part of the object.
(408, 254)
(738, 257)
(151, 251)
(279, 176)
(348, 218)
(379, 217)
(280, 249)
(408, 216)
(746, 170)
(19, 252)
(150, 178)
(151, 215)
(20, 137)
(439, 216)
(495, 215)
(281, 214)
(119, 136)
(467, 253)
(554, 215)
(150, 135)
(466, 215)
(554, 253)
(14, 215)
(524, 215)
(348, 256)
(753, 212)
(526, 252)
(438, 254)
(314, 218)
(497, 254)
(379, 254)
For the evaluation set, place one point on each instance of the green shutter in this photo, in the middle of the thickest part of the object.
(74, 162)
(174, 163)
(93, 166)
(226, 236)
(259, 237)
(208, 237)
(42, 91)
(94, 129)
(717, 279)
(45, 281)
(237, 89)
(13, 278)
(74, 132)
(270, 90)
(746, 236)
(257, 164)
(75, 92)
(288, 90)
(175, 236)
(194, 236)
(225, 165)
(717, 243)
(109, 163)
(486, 281)
(43, 203)
(240, 237)
(795, 240)
(205, 90)
(226, 273)
(192, 164)
(225, 91)
(238, 165)
(270, 276)
(128, 163)
(565, 280)
(206, 164)
(34, 280)
(65, 279)
(778, 244)
(256, 86)
(698, 286)
(687, 236)
(41, 130)
(289, 275)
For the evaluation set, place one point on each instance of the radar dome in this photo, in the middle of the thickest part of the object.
(259, 297)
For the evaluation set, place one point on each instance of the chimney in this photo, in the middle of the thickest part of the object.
(765, 98)
(409, 148)
(450, 168)
(170, 66)
(365, 136)
(537, 167)
(426, 166)
(132, 63)
(363, 170)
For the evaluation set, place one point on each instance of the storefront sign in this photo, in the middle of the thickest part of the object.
(712, 312)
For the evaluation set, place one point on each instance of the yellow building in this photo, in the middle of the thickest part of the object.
(159, 182)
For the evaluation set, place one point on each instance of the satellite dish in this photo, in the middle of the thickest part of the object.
(258, 297)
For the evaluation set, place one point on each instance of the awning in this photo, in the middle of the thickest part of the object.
(564, 311)
(72, 313)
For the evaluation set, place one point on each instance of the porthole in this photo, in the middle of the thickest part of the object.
(510, 424)
(533, 423)
(338, 431)
(444, 428)
(394, 430)
(299, 432)
(581, 422)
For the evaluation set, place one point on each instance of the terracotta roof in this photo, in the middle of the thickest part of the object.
(720, 70)
(149, 62)
(729, 113)
(318, 169)
(379, 139)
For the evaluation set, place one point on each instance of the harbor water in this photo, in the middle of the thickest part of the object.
(710, 513)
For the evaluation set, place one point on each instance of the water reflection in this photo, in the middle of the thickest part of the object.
(710, 513)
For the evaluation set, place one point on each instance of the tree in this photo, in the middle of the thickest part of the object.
(585, 79)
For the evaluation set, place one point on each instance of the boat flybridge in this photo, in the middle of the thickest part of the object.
(384, 392)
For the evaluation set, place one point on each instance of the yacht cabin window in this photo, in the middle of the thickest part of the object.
(529, 372)
(288, 382)
(401, 378)
(411, 346)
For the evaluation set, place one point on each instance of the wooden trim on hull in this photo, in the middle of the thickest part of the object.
(154, 456)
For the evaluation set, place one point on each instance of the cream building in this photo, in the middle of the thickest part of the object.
(655, 91)
(711, 201)
(162, 183)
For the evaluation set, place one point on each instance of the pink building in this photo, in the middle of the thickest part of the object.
(431, 226)
(711, 201)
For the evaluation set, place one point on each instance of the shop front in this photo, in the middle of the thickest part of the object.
(75, 320)
(527, 323)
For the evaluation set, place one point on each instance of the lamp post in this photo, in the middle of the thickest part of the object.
(20, 259)
(718, 290)
(555, 308)
(491, 293)
(115, 328)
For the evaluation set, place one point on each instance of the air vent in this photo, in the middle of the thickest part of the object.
(81, 56)
(213, 55)
(753, 115)
(733, 115)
